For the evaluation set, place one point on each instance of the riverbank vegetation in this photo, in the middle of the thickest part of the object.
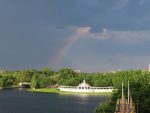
(140, 91)
(139, 81)
(67, 76)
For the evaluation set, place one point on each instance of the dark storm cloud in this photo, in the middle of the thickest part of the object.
(33, 31)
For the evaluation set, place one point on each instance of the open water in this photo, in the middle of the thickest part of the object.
(22, 101)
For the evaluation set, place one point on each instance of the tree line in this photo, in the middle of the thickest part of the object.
(139, 82)
(67, 76)
(139, 88)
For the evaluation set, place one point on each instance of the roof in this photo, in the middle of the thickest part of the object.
(84, 84)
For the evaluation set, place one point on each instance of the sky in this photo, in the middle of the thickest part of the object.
(86, 35)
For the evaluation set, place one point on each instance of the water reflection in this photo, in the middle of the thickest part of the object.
(21, 101)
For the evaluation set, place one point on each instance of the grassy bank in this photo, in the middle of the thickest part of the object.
(53, 90)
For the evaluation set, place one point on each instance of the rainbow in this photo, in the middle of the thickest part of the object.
(63, 51)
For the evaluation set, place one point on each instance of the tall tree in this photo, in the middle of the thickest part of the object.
(34, 82)
(1, 82)
(66, 73)
(47, 71)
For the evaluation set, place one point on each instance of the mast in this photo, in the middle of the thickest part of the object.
(122, 105)
(128, 93)
(122, 92)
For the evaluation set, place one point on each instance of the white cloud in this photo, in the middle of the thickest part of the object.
(83, 31)
(106, 34)
(123, 50)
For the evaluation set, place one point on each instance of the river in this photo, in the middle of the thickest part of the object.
(22, 101)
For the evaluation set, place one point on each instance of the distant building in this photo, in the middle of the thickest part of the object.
(2, 71)
(149, 68)
(77, 71)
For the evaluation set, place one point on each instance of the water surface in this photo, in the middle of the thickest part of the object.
(21, 101)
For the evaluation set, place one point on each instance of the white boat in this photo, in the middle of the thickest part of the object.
(84, 87)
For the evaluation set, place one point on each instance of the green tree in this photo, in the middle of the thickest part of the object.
(66, 73)
(1, 82)
(47, 71)
(43, 82)
(34, 82)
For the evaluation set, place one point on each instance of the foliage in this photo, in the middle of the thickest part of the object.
(67, 73)
(139, 81)
(1, 82)
(47, 71)
(140, 93)
(34, 82)
(105, 107)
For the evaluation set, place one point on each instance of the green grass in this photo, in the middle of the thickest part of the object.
(53, 90)
(48, 90)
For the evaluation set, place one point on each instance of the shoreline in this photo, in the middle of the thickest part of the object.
(54, 90)
(10, 87)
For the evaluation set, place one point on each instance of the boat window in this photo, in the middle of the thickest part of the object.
(82, 87)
